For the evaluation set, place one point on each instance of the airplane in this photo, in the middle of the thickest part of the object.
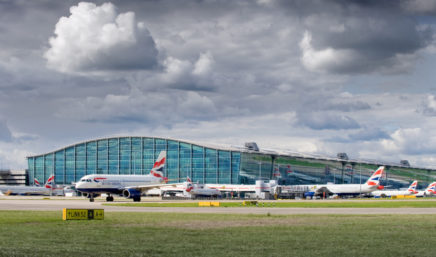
(388, 193)
(30, 190)
(198, 190)
(372, 184)
(429, 191)
(129, 186)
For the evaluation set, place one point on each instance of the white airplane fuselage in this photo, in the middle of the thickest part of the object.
(25, 190)
(114, 184)
(345, 189)
(388, 193)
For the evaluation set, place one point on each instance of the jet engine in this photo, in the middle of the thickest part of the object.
(132, 193)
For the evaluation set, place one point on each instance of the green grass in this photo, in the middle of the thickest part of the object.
(33, 233)
(302, 204)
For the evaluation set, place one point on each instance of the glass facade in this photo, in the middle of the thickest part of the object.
(136, 155)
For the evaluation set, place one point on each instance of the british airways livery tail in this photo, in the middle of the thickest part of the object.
(412, 187)
(374, 180)
(50, 182)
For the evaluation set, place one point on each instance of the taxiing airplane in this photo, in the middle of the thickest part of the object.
(388, 193)
(130, 186)
(30, 190)
(429, 191)
(372, 184)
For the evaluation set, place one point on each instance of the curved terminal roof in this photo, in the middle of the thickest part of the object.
(277, 153)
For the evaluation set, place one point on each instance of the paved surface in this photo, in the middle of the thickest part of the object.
(58, 204)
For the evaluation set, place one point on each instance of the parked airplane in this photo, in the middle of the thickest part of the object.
(429, 191)
(130, 186)
(372, 184)
(199, 190)
(29, 190)
(388, 193)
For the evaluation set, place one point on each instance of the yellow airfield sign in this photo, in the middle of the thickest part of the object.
(82, 214)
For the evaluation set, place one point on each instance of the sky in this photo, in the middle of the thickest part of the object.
(306, 76)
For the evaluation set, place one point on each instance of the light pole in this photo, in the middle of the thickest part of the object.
(360, 180)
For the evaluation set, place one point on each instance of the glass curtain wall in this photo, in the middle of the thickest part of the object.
(136, 155)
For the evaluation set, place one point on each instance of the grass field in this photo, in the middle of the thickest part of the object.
(31, 233)
(302, 204)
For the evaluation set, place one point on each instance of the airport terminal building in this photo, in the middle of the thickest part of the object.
(212, 164)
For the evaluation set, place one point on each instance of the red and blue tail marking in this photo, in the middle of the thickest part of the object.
(431, 188)
(50, 182)
(158, 167)
(374, 180)
(412, 187)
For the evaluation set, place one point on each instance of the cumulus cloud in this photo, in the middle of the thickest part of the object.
(412, 141)
(97, 38)
(361, 37)
(324, 59)
(428, 107)
(181, 74)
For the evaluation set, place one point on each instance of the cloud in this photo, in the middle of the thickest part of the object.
(152, 108)
(369, 134)
(97, 38)
(325, 59)
(5, 133)
(361, 37)
(412, 141)
(420, 6)
(428, 107)
(324, 121)
(197, 75)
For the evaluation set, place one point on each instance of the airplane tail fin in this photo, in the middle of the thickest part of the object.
(159, 165)
(50, 182)
(412, 187)
(36, 182)
(431, 188)
(374, 180)
(188, 186)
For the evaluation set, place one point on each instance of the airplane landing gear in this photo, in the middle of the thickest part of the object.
(109, 198)
(91, 197)
(137, 199)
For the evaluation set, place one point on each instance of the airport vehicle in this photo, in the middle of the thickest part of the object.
(129, 186)
(388, 193)
(429, 191)
(372, 184)
(30, 190)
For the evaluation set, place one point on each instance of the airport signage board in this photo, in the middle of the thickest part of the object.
(82, 214)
